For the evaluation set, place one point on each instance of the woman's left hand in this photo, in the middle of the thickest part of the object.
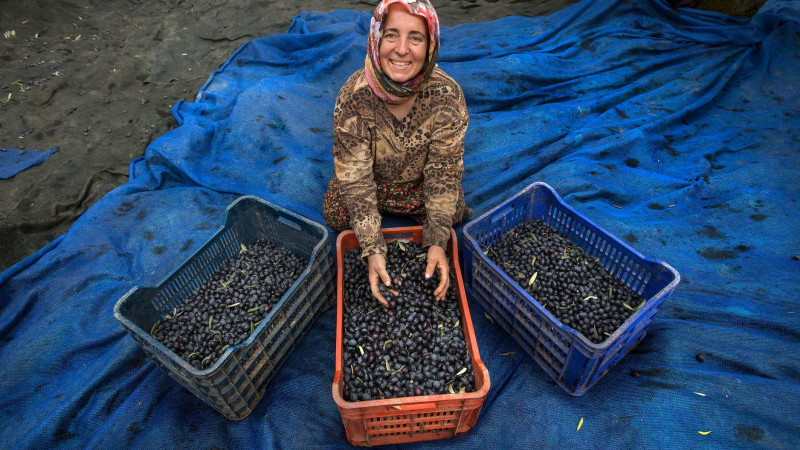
(437, 260)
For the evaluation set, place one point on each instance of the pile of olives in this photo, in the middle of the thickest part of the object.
(228, 306)
(416, 346)
(572, 285)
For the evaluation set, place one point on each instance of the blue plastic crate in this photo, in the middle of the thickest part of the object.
(572, 360)
(236, 382)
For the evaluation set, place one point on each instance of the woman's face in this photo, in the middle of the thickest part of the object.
(404, 44)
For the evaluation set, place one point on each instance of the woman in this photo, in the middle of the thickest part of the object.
(399, 126)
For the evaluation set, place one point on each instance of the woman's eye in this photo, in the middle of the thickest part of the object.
(417, 39)
(391, 37)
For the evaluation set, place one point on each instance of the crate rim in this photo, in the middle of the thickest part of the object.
(655, 300)
(427, 401)
(145, 334)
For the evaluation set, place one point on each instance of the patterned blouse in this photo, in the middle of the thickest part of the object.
(370, 144)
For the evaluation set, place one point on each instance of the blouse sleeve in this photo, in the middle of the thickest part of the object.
(444, 166)
(353, 160)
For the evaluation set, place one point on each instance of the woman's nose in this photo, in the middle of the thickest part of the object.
(402, 47)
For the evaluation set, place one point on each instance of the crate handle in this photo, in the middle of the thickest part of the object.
(419, 406)
(502, 213)
(288, 222)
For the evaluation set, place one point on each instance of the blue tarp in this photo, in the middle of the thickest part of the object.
(15, 160)
(674, 129)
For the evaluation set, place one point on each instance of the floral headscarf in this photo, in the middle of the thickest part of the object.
(384, 87)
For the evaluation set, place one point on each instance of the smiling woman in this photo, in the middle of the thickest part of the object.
(399, 126)
(403, 44)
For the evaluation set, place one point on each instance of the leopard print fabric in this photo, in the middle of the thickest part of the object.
(426, 147)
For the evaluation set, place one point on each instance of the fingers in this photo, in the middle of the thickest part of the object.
(386, 292)
(376, 265)
(437, 260)
(377, 294)
(430, 267)
(381, 282)
(435, 256)
(387, 280)
(444, 283)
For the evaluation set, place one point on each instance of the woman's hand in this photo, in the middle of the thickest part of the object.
(437, 260)
(376, 265)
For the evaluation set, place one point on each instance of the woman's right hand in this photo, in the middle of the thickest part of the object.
(376, 265)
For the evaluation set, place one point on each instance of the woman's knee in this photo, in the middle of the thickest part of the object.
(334, 210)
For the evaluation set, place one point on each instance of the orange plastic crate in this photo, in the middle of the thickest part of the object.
(408, 419)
